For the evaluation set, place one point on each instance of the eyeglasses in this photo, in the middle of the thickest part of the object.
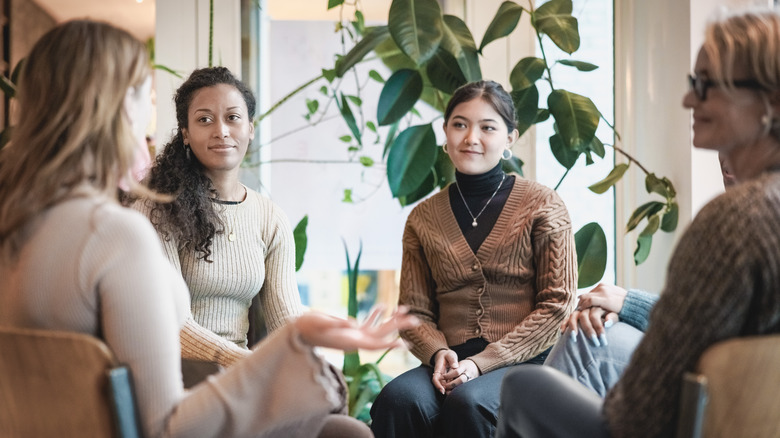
(700, 86)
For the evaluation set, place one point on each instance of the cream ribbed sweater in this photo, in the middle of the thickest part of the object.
(514, 292)
(93, 267)
(261, 260)
(723, 282)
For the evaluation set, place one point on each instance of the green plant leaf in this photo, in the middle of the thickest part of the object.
(356, 100)
(373, 74)
(645, 210)
(591, 243)
(597, 147)
(444, 72)
(8, 87)
(565, 156)
(542, 114)
(312, 105)
(614, 176)
(366, 161)
(20, 64)
(349, 118)
(333, 3)
(653, 223)
(410, 159)
(369, 42)
(371, 126)
(444, 169)
(420, 192)
(513, 164)
(398, 96)
(346, 138)
(576, 117)
(669, 221)
(457, 40)
(416, 27)
(393, 57)
(329, 75)
(655, 185)
(643, 245)
(526, 103)
(390, 138)
(503, 23)
(526, 72)
(347, 199)
(301, 241)
(579, 65)
(555, 20)
(165, 69)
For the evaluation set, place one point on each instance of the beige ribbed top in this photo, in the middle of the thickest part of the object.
(91, 266)
(261, 260)
(514, 292)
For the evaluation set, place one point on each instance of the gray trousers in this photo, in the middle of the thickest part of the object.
(564, 398)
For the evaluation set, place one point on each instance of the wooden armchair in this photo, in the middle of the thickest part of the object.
(63, 384)
(735, 392)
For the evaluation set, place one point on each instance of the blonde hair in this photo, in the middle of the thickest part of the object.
(750, 38)
(73, 133)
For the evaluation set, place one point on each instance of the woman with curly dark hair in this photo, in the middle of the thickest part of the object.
(230, 243)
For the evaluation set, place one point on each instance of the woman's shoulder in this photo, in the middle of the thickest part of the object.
(432, 204)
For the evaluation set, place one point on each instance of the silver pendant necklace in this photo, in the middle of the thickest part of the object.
(474, 218)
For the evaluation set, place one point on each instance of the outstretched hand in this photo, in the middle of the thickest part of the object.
(319, 329)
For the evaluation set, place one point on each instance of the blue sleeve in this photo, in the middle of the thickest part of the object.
(636, 308)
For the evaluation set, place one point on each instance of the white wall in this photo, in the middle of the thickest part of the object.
(181, 43)
(656, 45)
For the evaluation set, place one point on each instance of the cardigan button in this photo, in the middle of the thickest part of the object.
(475, 267)
(480, 289)
(477, 331)
(479, 312)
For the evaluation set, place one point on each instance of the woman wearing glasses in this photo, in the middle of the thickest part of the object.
(735, 98)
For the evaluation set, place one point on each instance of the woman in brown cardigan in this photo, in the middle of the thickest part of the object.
(489, 267)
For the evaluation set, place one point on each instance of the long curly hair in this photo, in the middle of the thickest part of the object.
(190, 219)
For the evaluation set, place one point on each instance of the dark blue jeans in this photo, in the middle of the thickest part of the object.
(410, 407)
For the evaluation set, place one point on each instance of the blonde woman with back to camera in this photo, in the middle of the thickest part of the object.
(72, 259)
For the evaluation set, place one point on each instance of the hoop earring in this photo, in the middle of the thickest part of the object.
(504, 156)
(444, 147)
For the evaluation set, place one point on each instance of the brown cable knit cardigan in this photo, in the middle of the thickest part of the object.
(514, 292)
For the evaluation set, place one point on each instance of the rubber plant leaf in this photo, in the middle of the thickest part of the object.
(526, 72)
(614, 176)
(565, 156)
(645, 210)
(457, 40)
(579, 65)
(503, 23)
(591, 243)
(669, 221)
(555, 20)
(416, 27)
(398, 96)
(368, 43)
(444, 72)
(410, 159)
(526, 103)
(576, 117)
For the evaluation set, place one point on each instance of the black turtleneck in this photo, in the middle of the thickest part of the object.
(477, 190)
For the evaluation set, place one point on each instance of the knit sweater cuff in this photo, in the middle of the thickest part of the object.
(636, 308)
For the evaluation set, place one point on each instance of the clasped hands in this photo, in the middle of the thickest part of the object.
(448, 373)
(596, 311)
